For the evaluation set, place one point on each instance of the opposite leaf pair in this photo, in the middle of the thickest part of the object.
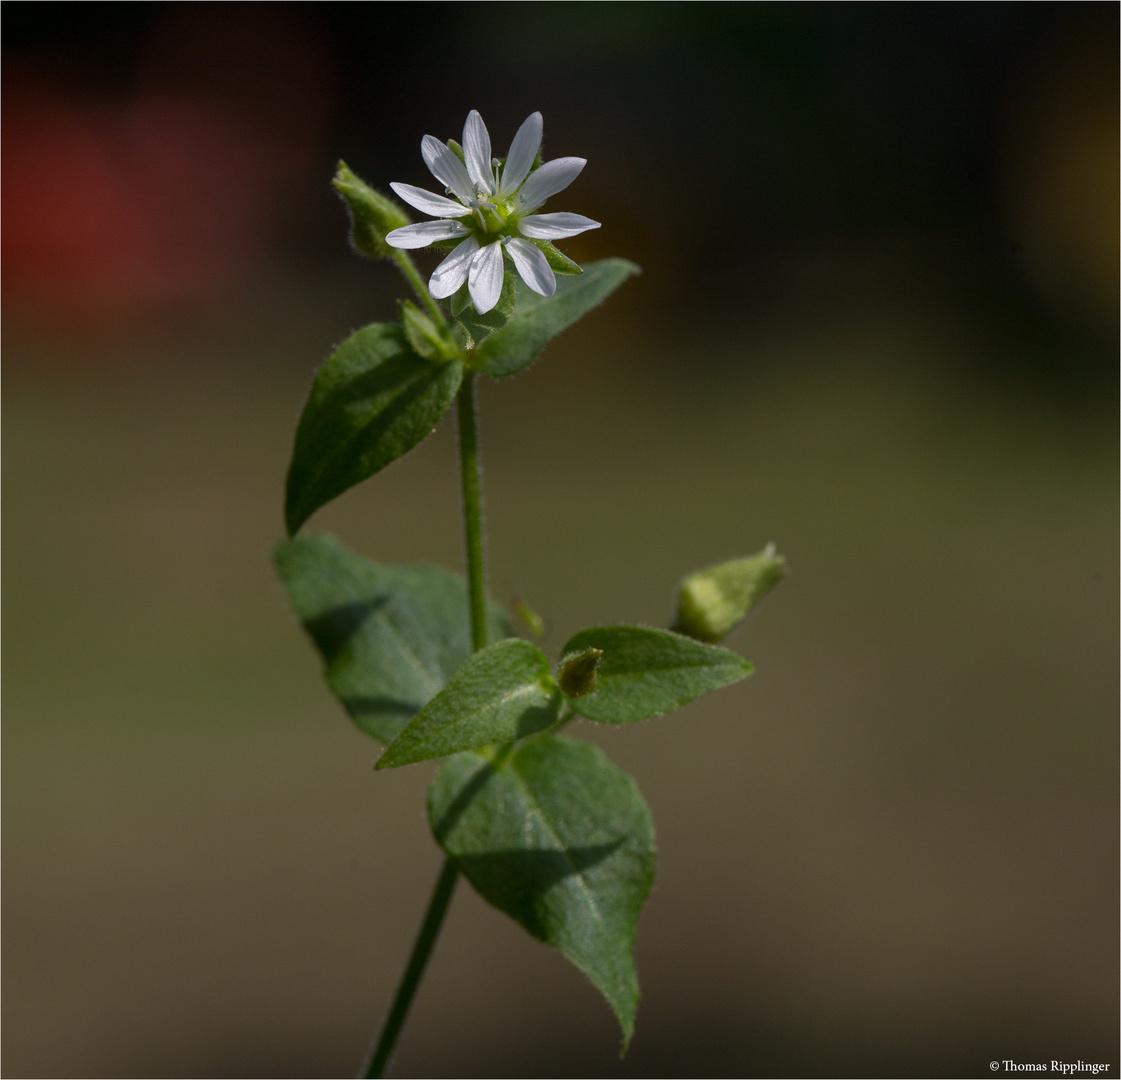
(386, 386)
(611, 674)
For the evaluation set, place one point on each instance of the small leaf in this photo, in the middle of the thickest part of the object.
(560, 840)
(537, 320)
(390, 636)
(646, 672)
(711, 602)
(372, 215)
(560, 262)
(423, 334)
(372, 400)
(503, 692)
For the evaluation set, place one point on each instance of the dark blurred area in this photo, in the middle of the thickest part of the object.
(877, 324)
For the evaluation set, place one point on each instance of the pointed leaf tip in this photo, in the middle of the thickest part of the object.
(372, 400)
(645, 672)
(561, 840)
(503, 692)
(537, 320)
(389, 636)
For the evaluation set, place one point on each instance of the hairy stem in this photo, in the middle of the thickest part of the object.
(472, 509)
(441, 895)
(429, 930)
(412, 276)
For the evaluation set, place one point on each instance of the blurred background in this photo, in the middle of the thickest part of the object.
(877, 324)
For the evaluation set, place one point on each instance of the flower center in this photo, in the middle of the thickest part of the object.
(491, 216)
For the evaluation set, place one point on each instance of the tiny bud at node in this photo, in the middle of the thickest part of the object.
(534, 623)
(577, 676)
(711, 602)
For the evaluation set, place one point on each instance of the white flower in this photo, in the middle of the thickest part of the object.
(493, 212)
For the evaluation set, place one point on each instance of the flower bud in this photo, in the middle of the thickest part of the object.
(712, 601)
(372, 215)
(423, 334)
(577, 675)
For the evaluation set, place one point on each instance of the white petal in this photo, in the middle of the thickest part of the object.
(485, 279)
(436, 205)
(522, 152)
(552, 177)
(425, 233)
(476, 152)
(452, 272)
(534, 268)
(555, 226)
(446, 167)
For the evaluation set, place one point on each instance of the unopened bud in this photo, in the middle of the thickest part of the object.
(577, 675)
(372, 215)
(423, 334)
(712, 601)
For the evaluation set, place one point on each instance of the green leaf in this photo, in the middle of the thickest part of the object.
(560, 262)
(560, 840)
(372, 401)
(372, 215)
(423, 334)
(645, 672)
(390, 636)
(537, 320)
(503, 692)
(711, 602)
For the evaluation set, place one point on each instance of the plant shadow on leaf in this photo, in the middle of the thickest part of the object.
(462, 800)
(359, 707)
(373, 400)
(538, 718)
(333, 630)
(520, 877)
(406, 378)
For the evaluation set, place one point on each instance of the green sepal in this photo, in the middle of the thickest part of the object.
(560, 262)
(424, 335)
(559, 839)
(713, 601)
(372, 400)
(538, 319)
(456, 149)
(503, 692)
(390, 636)
(477, 328)
(645, 672)
(372, 215)
(460, 299)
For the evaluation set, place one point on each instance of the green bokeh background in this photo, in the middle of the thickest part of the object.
(870, 328)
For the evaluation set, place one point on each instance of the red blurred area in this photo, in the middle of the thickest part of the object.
(166, 195)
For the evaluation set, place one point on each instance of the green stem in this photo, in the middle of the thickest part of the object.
(472, 509)
(412, 276)
(445, 884)
(414, 971)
